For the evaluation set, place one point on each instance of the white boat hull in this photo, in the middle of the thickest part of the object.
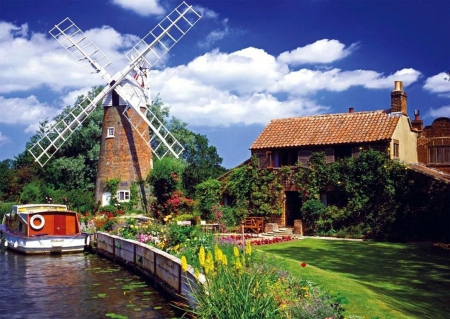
(44, 244)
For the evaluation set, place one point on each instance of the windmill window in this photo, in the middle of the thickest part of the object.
(123, 196)
(110, 132)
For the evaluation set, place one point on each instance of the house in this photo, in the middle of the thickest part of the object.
(288, 141)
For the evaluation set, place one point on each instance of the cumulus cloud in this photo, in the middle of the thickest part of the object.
(217, 88)
(30, 61)
(321, 51)
(306, 81)
(437, 83)
(443, 111)
(141, 7)
(25, 111)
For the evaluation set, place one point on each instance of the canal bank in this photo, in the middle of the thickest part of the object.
(76, 286)
(164, 269)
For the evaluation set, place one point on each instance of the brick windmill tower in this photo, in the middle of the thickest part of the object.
(131, 133)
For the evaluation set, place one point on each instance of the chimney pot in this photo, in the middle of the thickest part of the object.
(351, 110)
(416, 115)
(398, 86)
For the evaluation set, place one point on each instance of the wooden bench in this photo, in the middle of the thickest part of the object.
(254, 224)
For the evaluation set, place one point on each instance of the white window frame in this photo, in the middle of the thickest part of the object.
(110, 132)
(123, 196)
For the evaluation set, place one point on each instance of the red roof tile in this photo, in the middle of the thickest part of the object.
(342, 128)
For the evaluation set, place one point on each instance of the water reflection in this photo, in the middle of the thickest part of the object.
(74, 286)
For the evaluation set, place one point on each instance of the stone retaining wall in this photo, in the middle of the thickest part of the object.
(149, 260)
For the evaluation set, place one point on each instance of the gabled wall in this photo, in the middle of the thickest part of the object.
(407, 141)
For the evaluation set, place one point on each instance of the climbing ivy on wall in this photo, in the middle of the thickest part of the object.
(258, 192)
(377, 193)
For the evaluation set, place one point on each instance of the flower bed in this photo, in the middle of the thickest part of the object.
(255, 240)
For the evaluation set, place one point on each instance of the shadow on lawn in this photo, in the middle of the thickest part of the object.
(413, 278)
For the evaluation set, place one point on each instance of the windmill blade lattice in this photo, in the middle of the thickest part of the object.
(165, 35)
(57, 135)
(81, 47)
(161, 141)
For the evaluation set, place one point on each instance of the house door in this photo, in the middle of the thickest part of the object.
(293, 207)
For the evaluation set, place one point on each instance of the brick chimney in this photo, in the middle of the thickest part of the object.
(399, 99)
(417, 123)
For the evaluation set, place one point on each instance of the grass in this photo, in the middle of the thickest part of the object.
(380, 280)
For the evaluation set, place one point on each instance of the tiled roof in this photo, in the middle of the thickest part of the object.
(342, 128)
(436, 174)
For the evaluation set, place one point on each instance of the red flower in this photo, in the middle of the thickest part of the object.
(303, 264)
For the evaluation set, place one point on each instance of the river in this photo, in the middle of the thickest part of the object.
(81, 286)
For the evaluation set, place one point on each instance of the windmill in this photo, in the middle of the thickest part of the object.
(131, 133)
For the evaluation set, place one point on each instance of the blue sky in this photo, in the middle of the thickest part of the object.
(244, 63)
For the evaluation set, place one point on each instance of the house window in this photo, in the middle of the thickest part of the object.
(123, 196)
(396, 149)
(329, 155)
(110, 132)
(303, 157)
(289, 158)
(269, 159)
(439, 155)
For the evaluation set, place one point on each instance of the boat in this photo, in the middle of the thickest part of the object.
(42, 229)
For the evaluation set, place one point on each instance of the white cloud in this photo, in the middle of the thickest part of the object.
(321, 51)
(4, 139)
(25, 111)
(306, 81)
(443, 111)
(438, 83)
(141, 7)
(217, 88)
(32, 61)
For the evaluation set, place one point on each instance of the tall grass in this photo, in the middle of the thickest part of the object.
(240, 284)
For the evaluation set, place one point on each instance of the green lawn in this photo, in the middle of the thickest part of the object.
(384, 280)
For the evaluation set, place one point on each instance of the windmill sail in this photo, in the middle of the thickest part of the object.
(81, 48)
(146, 53)
(53, 138)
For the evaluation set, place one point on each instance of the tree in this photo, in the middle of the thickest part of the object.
(6, 179)
(202, 160)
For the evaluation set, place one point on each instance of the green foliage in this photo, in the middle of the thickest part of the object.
(374, 188)
(112, 186)
(32, 193)
(5, 208)
(6, 180)
(201, 159)
(257, 191)
(313, 212)
(208, 195)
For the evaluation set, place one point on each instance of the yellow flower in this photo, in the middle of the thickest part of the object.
(248, 248)
(236, 252)
(224, 260)
(238, 265)
(209, 263)
(184, 265)
(201, 256)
